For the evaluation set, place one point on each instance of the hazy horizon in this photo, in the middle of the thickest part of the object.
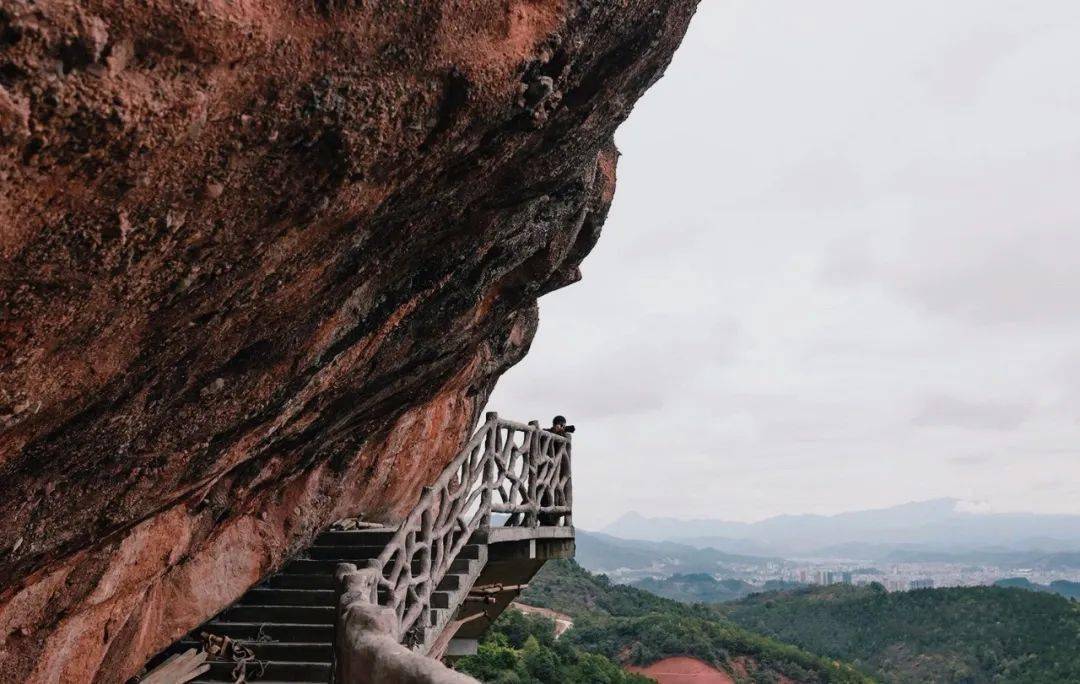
(838, 273)
(959, 506)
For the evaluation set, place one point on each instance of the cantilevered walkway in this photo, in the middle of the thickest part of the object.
(384, 604)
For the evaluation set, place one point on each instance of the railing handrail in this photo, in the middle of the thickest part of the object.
(491, 464)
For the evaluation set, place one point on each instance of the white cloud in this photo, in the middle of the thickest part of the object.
(946, 411)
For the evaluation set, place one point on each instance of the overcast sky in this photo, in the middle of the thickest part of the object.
(842, 270)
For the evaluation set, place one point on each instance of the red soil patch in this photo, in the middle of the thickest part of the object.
(683, 670)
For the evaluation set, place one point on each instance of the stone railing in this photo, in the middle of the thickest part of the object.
(518, 470)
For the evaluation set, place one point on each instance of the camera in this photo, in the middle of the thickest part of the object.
(569, 428)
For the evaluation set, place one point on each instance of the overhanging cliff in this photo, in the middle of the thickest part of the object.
(261, 264)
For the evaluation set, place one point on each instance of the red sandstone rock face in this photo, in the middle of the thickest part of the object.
(261, 263)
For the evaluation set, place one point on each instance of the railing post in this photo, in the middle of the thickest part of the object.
(490, 447)
(568, 520)
(426, 540)
(533, 518)
(374, 564)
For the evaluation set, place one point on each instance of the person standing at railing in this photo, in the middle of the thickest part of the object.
(559, 426)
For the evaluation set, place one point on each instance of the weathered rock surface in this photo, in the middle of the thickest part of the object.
(261, 263)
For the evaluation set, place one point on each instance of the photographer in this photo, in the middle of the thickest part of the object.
(559, 426)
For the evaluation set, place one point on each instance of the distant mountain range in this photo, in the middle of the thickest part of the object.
(629, 559)
(938, 529)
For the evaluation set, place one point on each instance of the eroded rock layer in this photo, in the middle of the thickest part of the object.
(261, 263)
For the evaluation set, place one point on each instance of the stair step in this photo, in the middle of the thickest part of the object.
(451, 582)
(289, 581)
(470, 552)
(324, 566)
(274, 631)
(462, 565)
(304, 615)
(289, 597)
(256, 681)
(356, 553)
(303, 566)
(257, 671)
(355, 538)
(348, 553)
(441, 599)
(280, 651)
(327, 567)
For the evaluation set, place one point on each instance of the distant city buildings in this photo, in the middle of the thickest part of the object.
(822, 577)
(893, 576)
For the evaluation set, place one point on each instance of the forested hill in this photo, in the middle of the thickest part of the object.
(632, 626)
(701, 587)
(972, 634)
(1064, 587)
(822, 634)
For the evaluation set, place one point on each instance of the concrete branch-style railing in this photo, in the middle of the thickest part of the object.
(511, 468)
(369, 652)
